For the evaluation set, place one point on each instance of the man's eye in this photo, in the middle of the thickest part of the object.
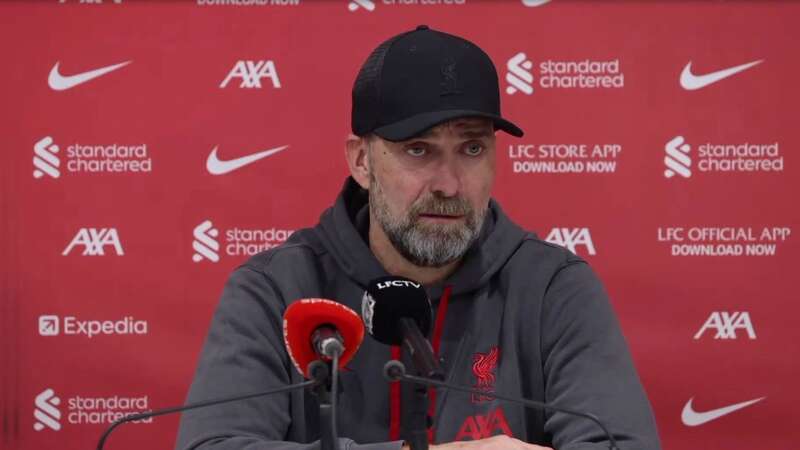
(416, 151)
(474, 149)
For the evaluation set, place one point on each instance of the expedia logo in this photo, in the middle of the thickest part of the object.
(398, 283)
(49, 326)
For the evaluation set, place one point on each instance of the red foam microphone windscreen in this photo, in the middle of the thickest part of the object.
(306, 315)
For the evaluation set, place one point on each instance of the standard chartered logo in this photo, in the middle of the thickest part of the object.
(212, 243)
(523, 76)
(713, 157)
(354, 5)
(45, 160)
(89, 159)
(677, 158)
(85, 410)
(205, 245)
(519, 74)
(45, 411)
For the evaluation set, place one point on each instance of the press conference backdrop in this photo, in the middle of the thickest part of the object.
(151, 147)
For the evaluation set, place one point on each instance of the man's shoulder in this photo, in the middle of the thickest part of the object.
(301, 250)
(535, 248)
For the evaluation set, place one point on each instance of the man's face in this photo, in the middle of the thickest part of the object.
(430, 194)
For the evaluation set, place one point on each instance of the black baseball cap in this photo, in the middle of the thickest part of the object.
(421, 78)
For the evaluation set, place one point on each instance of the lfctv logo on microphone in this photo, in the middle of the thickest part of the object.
(52, 325)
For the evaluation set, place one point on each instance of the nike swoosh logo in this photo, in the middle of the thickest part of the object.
(534, 3)
(691, 418)
(216, 166)
(60, 82)
(690, 81)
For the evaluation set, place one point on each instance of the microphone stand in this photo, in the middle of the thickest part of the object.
(396, 371)
(327, 393)
(427, 366)
(319, 376)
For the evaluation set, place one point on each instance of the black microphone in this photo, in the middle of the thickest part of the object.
(396, 371)
(396, 311)
(317, 370)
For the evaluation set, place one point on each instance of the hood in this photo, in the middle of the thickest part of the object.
(343, 232)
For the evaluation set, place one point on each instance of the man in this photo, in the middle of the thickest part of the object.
(514, 315)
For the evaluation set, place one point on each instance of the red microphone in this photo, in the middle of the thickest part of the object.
(315, 328)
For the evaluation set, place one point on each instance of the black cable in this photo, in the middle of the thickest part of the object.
(161, 412)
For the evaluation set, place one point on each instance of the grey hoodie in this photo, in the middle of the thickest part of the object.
(520, 317)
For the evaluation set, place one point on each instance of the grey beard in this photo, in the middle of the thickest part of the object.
(427, 245)
(433, 248)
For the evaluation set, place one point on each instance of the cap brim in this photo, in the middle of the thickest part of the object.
(415, 125)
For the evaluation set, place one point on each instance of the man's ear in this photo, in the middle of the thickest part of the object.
(356, 155)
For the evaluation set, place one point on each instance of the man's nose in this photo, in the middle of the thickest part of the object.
(446, 179)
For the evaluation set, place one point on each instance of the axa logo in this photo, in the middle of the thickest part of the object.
(94, 241)
(727, 324)
(46, 411)
(205, 243)
(355, 5)
(482, 426)
(571, 238)
(251, 73)
(519, 76)
(45, 161)
(677, 158)
(484, 366)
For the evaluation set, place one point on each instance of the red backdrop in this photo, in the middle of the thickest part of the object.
(653, 148)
